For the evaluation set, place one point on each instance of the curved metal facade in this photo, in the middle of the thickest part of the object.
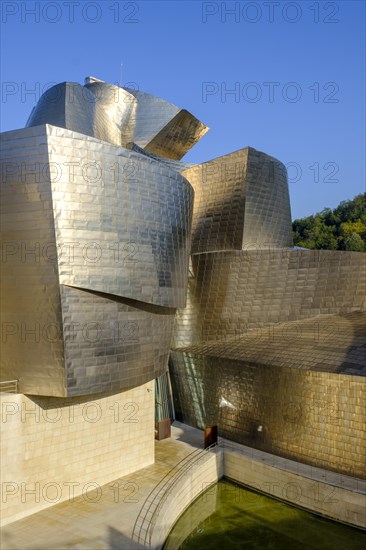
(270, 347)
(121, 116)
(99, 218)
(164, 129)
(241, 203)
(137, 210)
(97, 242)
(233, 292)
(301, 383)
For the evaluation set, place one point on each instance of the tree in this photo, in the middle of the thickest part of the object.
(354, 242)
(347, 228)
(343, 228)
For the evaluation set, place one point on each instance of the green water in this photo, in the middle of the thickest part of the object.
(229, 516)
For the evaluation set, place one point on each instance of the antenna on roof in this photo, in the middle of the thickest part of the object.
(120, 75)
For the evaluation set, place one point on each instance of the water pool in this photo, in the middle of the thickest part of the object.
(228, 516)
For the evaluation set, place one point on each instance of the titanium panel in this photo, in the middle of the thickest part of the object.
(97, 241)
(66, 105)
(176, 165)
(32, 346)
(126, 217)
(178, 136)
(267, 221)
(326, 343)
(120, 116)
(100, 110)
(231, 292)
(111, 343)
(241, 203)
(163, 128)
(310, 416)
(120, 108)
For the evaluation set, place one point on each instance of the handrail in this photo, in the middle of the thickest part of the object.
(9, 386)
(164, 497)
(162, 491)
(161, 482)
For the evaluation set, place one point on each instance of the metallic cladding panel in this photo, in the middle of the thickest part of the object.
(127, 218)
(219, 205)
(113, 223)
(317, 418)
(99, 110)
(152, 115)
(119, 116)
(112, 345)
(32, 341)
(178, 136)
(233, 291)
(267, 221)
(66, 105)
(328, 343)
(241, 202)
(176, 165)
(164, 129)
(120, 107)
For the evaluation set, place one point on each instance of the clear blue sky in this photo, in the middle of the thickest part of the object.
(193, 53)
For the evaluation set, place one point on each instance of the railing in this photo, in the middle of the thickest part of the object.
(145, 521)
(9, 386)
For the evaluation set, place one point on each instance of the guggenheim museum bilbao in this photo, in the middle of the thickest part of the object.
(127, 272)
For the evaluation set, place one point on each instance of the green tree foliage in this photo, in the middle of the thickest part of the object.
(343, 228)
(354, 242)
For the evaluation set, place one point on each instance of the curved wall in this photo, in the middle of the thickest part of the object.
(232, 292)
(120, 116)
(136, 210)
(241, 202)
(96, 262)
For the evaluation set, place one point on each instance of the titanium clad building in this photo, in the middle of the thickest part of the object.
(116, 254)
(97, 238)
(96, 230)
(271, 345)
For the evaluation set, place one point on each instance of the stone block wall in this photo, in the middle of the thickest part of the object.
(54, 449)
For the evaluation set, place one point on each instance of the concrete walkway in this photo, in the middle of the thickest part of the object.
(107, 523)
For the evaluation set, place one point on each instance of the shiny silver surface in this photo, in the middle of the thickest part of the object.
(135, 209)
(120, 109)
(176, 165)
(97, 238)
(241, 203)
(271, 345)
(72, 106)
(164, 129)
(121, 116)
(233, 292)
(99, 109)
(97, 229)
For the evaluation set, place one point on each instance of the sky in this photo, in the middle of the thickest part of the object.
(287, 78)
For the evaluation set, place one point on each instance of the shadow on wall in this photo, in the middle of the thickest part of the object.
(118, 541)
(300, 411)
